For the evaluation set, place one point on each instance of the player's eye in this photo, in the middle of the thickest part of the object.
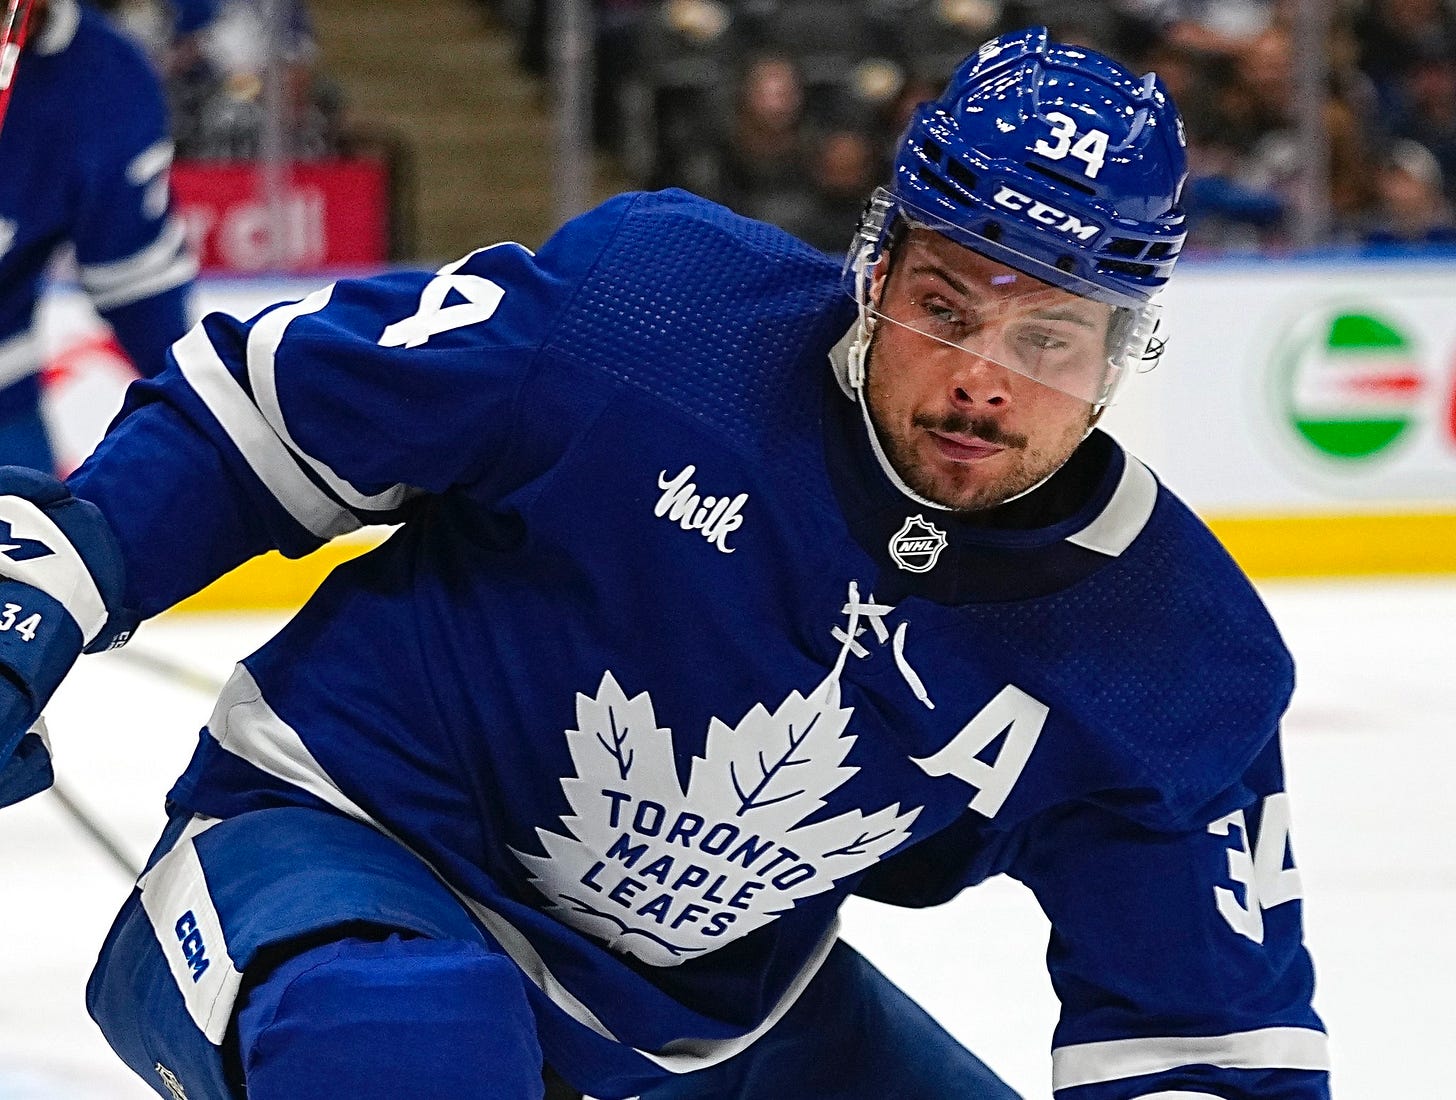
(1044, 340)
(942, 315)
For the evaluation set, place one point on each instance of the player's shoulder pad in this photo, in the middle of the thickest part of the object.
(1219, 676)
(696, 303)
(1169, 663)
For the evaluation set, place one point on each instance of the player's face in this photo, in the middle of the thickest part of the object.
(949, 383)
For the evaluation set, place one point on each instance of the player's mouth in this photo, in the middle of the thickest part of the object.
(964, 439)
(958, 447)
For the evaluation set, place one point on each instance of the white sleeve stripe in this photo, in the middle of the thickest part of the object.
(19, 356)
(1296, 1048)
(61, 575)
(182, 269)
(314, 509)
(263, 341)
(150, 162)
(1181, 1095)
(1126, 514)
(115, 276)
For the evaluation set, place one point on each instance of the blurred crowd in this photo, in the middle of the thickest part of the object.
(212, 56)
(786, 109)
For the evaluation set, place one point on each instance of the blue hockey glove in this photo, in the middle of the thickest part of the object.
(60, 595)
(28, 771)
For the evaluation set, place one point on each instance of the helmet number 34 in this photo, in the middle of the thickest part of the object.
(1090, 147)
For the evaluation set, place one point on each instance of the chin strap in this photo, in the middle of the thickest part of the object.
(853, 377)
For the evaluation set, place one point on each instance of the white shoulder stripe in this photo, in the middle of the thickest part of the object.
(263, 341)
(1126, 514)
(178, 272)
(314, 509)
(165, 263)
(61, 574)
(1180, 1095)
(1297, 1048)
(151, 162)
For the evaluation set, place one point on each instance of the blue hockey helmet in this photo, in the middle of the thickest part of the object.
(1055, 161)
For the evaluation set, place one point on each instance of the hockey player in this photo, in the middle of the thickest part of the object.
(84, 159)
(685, 637)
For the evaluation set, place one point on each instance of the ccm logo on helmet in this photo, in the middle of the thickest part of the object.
(1039, 211)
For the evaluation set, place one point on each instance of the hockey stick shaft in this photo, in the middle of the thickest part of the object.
(179, 674)
(88, 824)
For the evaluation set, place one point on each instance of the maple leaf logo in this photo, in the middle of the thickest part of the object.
(666, 874)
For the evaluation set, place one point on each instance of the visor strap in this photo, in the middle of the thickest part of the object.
(884, 459)
(859, 347)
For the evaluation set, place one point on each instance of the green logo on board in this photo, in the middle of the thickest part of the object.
(1351, 382)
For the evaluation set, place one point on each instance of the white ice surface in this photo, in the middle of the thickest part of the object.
(1370, 753)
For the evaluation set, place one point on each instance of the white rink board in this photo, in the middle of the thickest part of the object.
(1214, 419)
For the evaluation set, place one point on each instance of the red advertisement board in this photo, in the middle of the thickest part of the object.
(333, 214)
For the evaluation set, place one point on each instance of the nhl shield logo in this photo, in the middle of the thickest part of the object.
(916, 547)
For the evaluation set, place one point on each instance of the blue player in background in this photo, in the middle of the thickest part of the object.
(84, 158)
(728, 583)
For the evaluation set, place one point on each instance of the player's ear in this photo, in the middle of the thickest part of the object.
(879, 275)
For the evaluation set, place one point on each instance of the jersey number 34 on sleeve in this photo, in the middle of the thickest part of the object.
(1257, 865)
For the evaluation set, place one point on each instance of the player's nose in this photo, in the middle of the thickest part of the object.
(977, 381)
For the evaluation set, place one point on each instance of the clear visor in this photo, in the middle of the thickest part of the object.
(989, 302)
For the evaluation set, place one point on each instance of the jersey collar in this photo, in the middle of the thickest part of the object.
(1082, 518)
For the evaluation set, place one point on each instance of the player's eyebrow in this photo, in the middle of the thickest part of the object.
(1064, 313)
(935, 268)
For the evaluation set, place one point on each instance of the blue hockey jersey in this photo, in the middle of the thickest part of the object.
(84, 158)
(660, 666)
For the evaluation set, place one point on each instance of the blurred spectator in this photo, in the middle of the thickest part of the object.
(213, 54)
(171, 34)
(675, 104)
(930, 37)
(1075, 22)
(1395, 34)
(1423, 106)
(219, 101)
(765, 160)
(829, 87)
(1410, 206)
(846, 169)
(1261, 129)
(1219, 28)
(895, 113)
(616, 29)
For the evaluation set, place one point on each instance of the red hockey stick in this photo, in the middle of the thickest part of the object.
(12, 40)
